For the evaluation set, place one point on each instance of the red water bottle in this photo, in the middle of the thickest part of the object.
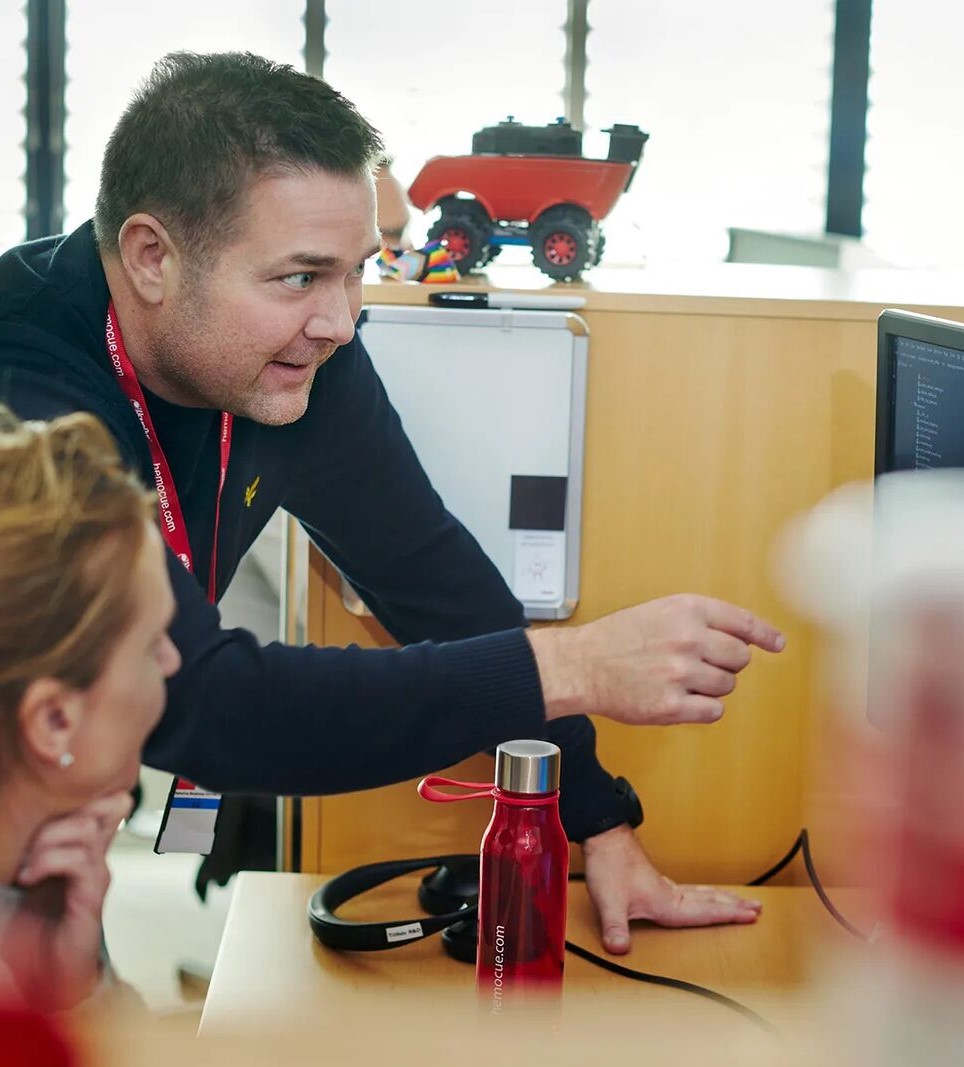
(523, 879)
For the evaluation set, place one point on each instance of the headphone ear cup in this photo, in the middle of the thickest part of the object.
(460, 940)
(453, 885)
(338, 933)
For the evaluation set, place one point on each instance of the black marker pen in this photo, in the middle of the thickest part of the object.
(527, 301)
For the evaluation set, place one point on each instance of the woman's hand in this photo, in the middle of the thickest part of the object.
(52, 945)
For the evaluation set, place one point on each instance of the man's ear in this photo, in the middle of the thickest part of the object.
(49, 716)
(150, 257)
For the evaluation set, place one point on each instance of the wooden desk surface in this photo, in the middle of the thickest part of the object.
(270, 967)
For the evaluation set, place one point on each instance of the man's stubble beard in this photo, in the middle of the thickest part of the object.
(175, 357)
(175, 349)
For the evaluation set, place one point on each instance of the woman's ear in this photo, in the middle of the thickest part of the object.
(49, 716)
(150, 257)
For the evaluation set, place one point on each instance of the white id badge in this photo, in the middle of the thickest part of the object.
(190, 819)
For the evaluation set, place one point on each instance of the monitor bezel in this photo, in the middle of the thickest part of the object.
(891, 323)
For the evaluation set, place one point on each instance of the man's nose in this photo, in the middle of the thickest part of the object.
(332, 319)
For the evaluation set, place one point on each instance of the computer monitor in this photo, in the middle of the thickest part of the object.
(920, 426)
(920, 392)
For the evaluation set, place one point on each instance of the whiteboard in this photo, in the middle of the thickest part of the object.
(494, 403)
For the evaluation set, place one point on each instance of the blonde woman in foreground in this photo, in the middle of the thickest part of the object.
(84, 653)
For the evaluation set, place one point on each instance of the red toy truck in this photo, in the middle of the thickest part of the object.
(528, 185)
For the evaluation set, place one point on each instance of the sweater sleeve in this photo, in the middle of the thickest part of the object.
(250, 718)
(277, 719)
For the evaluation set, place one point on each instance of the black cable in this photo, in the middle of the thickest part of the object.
(673, 983)
(659, 979)
(803, 843)
(778, 867)
(827, 903)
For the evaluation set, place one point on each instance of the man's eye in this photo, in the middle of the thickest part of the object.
(358, 271)
(299, 281)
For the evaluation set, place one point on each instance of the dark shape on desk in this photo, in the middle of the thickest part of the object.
(450, 887)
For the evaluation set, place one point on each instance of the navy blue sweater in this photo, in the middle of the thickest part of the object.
(242, 717)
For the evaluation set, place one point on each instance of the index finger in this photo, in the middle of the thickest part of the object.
(737, 621)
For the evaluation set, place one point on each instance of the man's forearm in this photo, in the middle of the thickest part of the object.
(562, 675)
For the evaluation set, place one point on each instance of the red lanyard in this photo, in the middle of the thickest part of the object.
(169, 507)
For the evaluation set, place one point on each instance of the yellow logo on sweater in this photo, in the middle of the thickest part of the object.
(251, 491)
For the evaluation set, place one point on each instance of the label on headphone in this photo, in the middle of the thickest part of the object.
(407, 932)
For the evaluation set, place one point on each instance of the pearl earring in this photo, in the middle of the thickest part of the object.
(67, 759)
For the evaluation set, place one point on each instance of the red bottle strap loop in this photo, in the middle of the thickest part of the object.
(427, 790)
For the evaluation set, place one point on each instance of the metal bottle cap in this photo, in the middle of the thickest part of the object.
(527, 766)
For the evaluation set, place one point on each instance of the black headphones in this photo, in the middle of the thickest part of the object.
(450, 894)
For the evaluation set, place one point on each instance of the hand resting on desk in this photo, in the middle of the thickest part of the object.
(623, 884)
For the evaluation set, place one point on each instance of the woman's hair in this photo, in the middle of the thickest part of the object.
(72, 522)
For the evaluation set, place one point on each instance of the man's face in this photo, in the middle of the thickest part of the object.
(248, 333)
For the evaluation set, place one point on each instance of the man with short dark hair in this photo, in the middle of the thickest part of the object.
(208, 318)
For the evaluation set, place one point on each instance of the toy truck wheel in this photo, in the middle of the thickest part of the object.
(560, 244)
(464, 236)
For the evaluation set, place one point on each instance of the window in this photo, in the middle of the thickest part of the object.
(915, 146)
(735, 96)
(13, 123)
(429, 76)
(104, 69)
(736, 99)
